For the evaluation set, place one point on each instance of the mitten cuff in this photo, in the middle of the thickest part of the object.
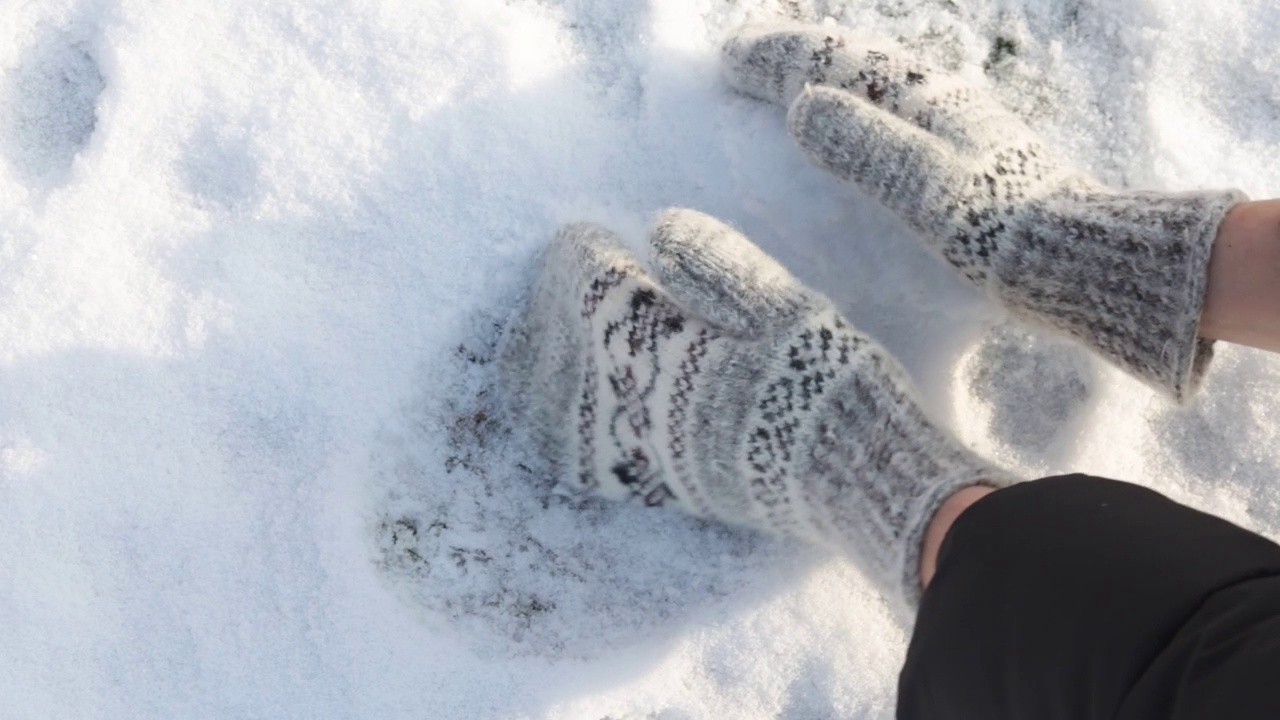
(1190, 354)
(1125, 273)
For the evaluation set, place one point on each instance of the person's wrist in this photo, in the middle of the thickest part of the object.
(943, 519)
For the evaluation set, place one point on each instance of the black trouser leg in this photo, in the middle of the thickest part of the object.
(1077, 597)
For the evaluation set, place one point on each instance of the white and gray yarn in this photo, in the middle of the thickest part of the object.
(1122, 271)
(722, 386)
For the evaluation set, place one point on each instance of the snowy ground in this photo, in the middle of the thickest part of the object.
(254, 258)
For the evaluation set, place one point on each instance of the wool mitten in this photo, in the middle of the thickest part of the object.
(718, 384)
(1122, 271)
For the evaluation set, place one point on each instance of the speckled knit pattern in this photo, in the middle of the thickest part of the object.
(720, 385)
(1123, 272)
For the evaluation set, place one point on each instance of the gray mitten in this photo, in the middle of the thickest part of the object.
(1122, 271)
(722, 386)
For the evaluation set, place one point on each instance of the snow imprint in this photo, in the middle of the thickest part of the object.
(48, 105)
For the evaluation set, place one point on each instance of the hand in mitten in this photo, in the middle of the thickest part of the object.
(718, 384)
(1122, 271)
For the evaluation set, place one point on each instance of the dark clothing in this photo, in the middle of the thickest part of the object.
(1088, 599)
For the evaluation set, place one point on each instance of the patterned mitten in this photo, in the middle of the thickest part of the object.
(721, 385)
(1122, 271)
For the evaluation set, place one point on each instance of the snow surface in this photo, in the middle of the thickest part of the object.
(254, 259)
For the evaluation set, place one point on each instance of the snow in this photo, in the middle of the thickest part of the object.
(254, 259)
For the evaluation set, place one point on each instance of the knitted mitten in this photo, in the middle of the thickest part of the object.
(722, 386)
(1122, 271)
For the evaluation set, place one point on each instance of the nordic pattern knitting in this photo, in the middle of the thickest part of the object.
(1122, 271)
(776, 416)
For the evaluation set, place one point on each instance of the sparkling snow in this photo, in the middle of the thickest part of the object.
(254, 259)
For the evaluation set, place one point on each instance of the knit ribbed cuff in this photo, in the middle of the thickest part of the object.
(1190, 357)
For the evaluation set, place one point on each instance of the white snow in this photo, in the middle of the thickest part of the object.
(254, 255)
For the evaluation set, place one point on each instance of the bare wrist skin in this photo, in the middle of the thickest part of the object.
(941, 523)
(1242, 296)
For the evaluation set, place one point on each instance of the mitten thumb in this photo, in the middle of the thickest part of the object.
(716, 272)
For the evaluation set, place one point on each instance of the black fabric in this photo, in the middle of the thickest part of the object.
(1083, 598)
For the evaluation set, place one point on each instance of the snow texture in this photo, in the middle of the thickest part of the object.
(255, 257)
